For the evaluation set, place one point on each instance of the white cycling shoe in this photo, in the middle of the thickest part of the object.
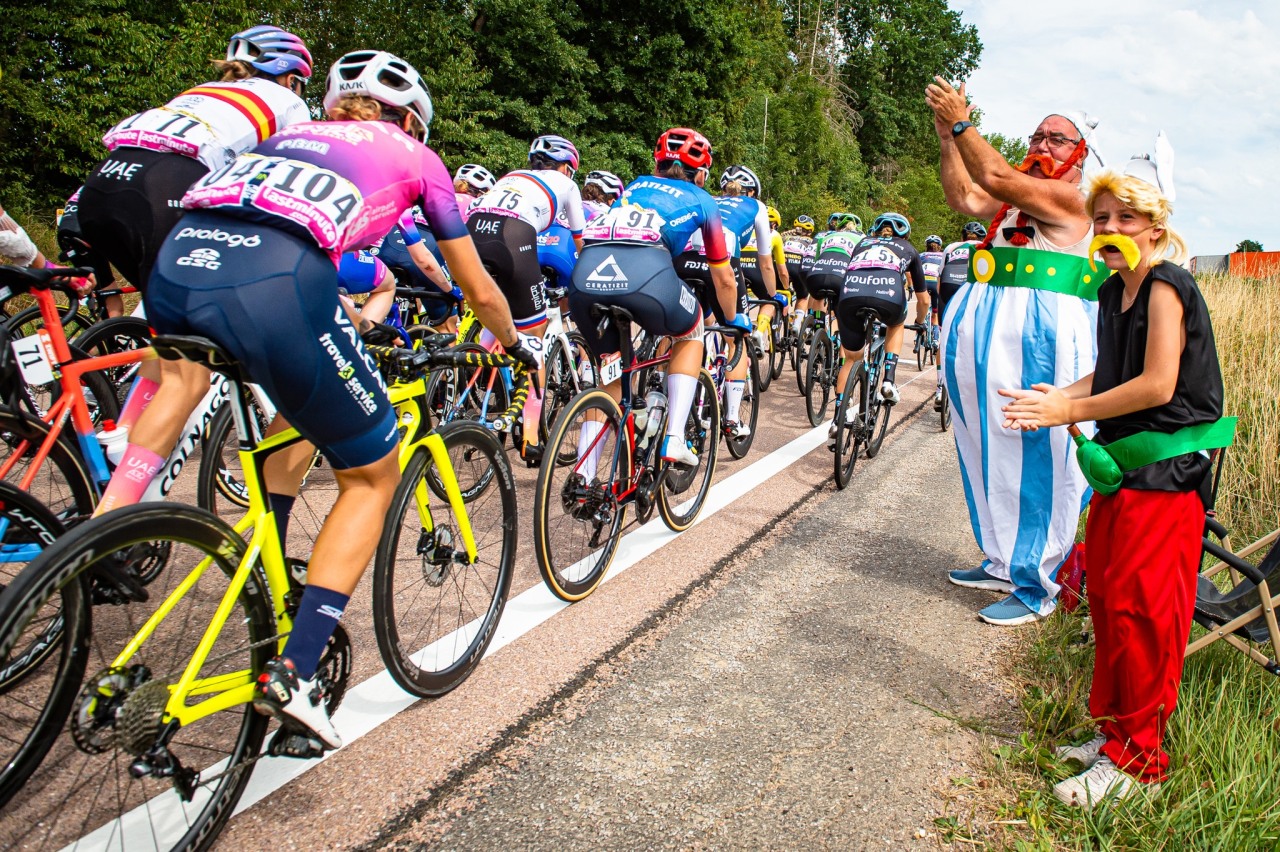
(889, 391)
(676, 451)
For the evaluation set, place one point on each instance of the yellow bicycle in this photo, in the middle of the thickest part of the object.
(137, 729)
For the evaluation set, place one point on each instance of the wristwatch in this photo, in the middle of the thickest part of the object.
(960, 127)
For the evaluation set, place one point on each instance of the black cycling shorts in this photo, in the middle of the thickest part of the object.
(638, 278)
(879, 290)
(693, 268)
(948, 286)
(508, 248)
(826, 277)
(753, 275)
(271, 300)
(796, 269)
(129, 204)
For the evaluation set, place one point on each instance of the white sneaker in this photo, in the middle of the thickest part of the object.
(1086, 755)
(850, 418)
(889, 391)
(676, 451)
(760, 341)
(280, 692)
(738, 430)
(1103, 780)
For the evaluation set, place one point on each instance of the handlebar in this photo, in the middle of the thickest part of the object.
(426, 295)
(21, 279)
(738, 334)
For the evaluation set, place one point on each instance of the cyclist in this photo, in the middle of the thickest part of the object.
(290, 207)
(600, 191)
(953, 276)
(878, 271)
(797, 248)
(757, 284)
(470, 182)
(410, 251)
(743, 216)
(628, 261)
(833, 250)
(16, 247)
(131, 200)
(505, 223)
(931, 263)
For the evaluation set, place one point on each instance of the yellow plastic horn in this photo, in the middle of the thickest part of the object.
(1128, 248)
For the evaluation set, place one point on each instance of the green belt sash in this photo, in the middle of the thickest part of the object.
(1104, 466)
(1056, 272)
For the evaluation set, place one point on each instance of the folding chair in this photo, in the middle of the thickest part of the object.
(1245, 614)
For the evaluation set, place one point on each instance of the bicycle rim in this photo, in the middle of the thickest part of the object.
(577, 518)
(26, 528)
(434, 609)
(105, 717)
(847, 442)
(62, 483)
(817, 385)
(682, 495)
(749, 411)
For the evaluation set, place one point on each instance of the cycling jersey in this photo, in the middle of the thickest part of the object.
(931, 265)
(876, 279)
(212, 122)
(832, 252)
(342, 184)
(656, 210)
(593, 209)
(742, 219)
(955, 271)
(536, 197)
(750, 261)
(360, 272)
(799, 252)
(464, 204)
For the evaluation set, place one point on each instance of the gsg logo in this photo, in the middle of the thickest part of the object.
(201, 258)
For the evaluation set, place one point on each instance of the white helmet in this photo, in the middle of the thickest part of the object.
(608, 181)
(382, 76)
(742, 175)
(476, 176)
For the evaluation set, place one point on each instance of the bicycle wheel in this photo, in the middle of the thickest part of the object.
(117, 334)
(564, 378)
(87, 741)
(817, 382)
(62, 483)
(878, 423)
(677, 506)
(922, 352)
(26, 528)
(749, 411)
(435, 611)
(848, 441)
(765, 357)
(800, 355)
(577, 519)
(946, 409)
(779, 353)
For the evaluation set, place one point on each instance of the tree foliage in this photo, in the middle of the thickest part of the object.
(1249, 246)
(822, 98)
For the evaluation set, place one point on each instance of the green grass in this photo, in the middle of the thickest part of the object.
(1223, 790)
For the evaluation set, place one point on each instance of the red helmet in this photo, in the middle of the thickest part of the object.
(688, 146)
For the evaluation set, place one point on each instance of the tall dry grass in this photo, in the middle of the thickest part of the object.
(1246, 325)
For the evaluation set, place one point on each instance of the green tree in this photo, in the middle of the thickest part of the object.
(1249, 246)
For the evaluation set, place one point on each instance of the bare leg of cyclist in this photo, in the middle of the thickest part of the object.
(533, 405)
(852, 360)
(378, 305)
(283, 474)
(682, 385)
(182, 386)
(922, 307)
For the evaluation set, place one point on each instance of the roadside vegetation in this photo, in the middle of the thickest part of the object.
(1224, 738)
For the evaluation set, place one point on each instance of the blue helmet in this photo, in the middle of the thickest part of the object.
(271, 50)
(897, 221)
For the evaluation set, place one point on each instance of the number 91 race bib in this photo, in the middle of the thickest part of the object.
(323, 202)
(626, 224)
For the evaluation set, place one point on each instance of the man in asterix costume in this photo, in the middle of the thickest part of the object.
(1028, 315)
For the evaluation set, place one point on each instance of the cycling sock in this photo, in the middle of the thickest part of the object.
(138, 466)
(890, 367)
(589, 448)
(140, 396)
(318, 614)
(733, 399)
(281, 506)
(680, 391)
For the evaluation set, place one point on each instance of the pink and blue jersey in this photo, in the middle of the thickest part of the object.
(662, 211)
(343, 184)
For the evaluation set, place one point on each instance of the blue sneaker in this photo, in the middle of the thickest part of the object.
(1009, 612)
(978, 578)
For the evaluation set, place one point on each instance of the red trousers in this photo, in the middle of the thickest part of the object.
(1142, 556)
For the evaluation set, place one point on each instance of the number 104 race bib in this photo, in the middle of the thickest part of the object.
(323, 202)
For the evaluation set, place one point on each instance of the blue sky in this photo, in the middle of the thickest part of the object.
(1208, 74)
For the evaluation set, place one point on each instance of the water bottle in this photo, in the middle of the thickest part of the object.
(641, 411)
(656, 403)
(114, 440)
(586, 373)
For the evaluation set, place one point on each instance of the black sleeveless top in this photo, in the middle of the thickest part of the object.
(1197, 397)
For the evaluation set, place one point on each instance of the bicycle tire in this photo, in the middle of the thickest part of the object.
(564, 379)
(91, 732)
(800, 355)
(779, 359)
(577, 521)
(66, 487)
(880, 425)
(739, 447)
(765, 355)
(946, 410)
(848, 443)
(26, 528)
(413, 563)
(922, 349)
(701, 430)
(817, 384)
(112, 335)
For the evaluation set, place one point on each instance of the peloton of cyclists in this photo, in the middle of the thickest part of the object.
(954, 275)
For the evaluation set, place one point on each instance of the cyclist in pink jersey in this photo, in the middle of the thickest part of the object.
(277, 219)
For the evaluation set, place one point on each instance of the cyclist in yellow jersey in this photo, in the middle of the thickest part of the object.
(755, 277)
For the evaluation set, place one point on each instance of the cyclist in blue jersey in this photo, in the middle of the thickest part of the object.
(627, 262)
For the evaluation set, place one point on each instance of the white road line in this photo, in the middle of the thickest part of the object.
(376, 700)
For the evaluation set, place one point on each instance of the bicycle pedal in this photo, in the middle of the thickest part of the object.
(288, 742)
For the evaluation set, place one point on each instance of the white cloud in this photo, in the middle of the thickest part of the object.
(1204, 73)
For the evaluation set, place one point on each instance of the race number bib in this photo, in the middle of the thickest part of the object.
(878, 257)
(35, 359)
(323, 202)
(162, 129)
(627, 224)
(841, 242)
(610, 368)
